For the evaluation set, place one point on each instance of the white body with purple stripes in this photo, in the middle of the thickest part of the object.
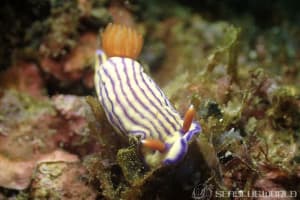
(134, 104)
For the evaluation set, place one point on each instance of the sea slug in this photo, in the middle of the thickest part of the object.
(133, 102)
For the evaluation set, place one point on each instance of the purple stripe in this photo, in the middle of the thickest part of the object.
(188, 136)
(110, 118)
(100, 60)
(167, 102)
(149, 89)
(141, 102)
(162, 95)
(118, 100)
(114, 120)
(135, 132)
(135, 96)
(146, 108)
(99, 54)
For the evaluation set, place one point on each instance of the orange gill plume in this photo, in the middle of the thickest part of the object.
(121, 41)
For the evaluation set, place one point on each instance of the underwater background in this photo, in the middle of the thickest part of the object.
(236, 62)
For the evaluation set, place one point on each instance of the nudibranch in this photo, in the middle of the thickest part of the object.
(133, 102)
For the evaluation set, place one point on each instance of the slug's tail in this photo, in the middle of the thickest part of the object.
(121, 41)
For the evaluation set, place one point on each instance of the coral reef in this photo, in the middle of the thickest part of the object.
(35, 130)
(60, 180)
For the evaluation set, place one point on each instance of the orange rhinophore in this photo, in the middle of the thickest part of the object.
(188, 119)
(154, 144)
(121, 41)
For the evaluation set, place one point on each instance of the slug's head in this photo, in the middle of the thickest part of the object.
(173, 149)
(121, 41)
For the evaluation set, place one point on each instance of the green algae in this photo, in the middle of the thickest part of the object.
(227, 48)
(130, 162)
